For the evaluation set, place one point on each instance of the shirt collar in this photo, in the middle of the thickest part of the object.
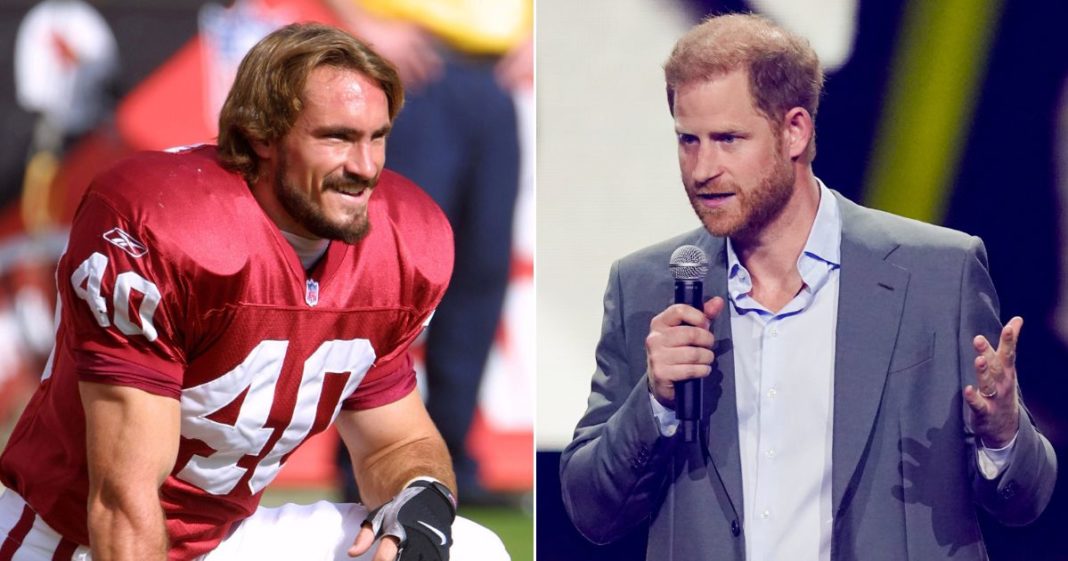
(825, 239)
(821, 254)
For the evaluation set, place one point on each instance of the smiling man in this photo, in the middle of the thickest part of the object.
(219, 306)
(860, 396)
(329, 163)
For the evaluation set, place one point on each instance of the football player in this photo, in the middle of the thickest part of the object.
(219, 306)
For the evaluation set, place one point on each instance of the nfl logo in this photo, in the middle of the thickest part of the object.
(311, 295)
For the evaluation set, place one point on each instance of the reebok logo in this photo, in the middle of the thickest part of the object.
(125, 242)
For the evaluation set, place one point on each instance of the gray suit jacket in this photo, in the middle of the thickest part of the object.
(905, 481)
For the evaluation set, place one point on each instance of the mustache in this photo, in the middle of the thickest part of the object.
(350, 183)
(710, 186)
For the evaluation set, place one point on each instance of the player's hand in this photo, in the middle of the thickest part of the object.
(679, 347)
(408, 46)
(993, 398)
(387, 546)
(417, 523)
(515, 71)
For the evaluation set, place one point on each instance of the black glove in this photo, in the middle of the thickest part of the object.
(420, 517)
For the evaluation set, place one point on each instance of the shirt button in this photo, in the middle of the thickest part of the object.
(772, 393)
(771, 453)
(774, 332)
(765, 515)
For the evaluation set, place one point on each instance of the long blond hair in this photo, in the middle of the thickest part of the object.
(266, 96)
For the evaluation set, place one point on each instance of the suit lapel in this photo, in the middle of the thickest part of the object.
(718, 398)
(870, 301)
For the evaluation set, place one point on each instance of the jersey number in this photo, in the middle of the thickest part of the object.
(256, 377)
(87, 279)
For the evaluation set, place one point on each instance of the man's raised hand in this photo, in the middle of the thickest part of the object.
(993, 399)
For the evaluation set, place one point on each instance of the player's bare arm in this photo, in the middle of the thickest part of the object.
(390, 446)
(132, 441)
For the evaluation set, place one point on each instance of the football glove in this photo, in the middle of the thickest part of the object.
(421, 517)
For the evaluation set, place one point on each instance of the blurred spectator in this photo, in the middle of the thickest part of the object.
(457, 138)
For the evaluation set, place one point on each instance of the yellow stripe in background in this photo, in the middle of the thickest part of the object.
(472, 26)
(933, 91)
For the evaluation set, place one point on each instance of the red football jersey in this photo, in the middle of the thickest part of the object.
(176, 282)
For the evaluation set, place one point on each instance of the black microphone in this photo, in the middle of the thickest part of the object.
(689, 267)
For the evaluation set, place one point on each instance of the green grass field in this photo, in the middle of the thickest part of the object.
(514, 525)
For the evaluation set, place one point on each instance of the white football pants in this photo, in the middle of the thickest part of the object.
(321, 531)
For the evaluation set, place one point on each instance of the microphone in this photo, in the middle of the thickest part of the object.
(689, 265)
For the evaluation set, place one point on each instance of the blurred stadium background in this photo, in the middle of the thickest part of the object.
(950, 111)
(85, 83)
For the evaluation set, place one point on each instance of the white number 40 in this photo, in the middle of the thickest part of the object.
(218, 472)
(87, 279)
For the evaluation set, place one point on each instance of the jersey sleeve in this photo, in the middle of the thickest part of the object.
(118, 299)
(384, 384)
(392, 377)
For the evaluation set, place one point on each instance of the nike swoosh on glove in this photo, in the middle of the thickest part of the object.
(420, 517)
